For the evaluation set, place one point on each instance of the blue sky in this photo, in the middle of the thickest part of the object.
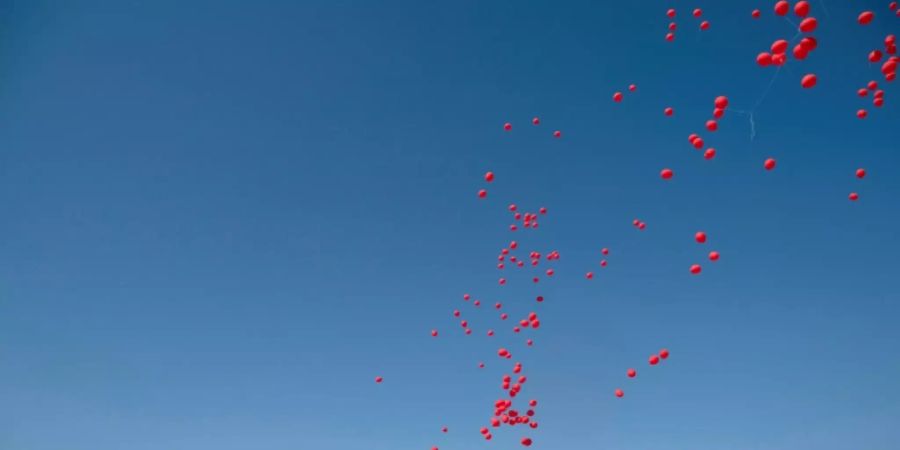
(221, 220)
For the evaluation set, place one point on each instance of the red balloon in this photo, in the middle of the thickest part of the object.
(543, 210)
(604, 251)
(617, 97)
(632, 373)
(666, 174)
(704, 25)
(878, 102)
(854, 196)
(670, 13)
(721, 102)
(557, 134)
(536, 121)
(769, 164)
(809, 24)
(809, 43)
(781, 8)
(779, 46)
(875, 56)
(710, 153)
(482, 193)
(755, 14)
(865, 17)
(860, 173)
(695, 269)
(526, 441)
(801, 8)
(698, 12)
(892, 6)
(672, 26)
(663, 353)
(712, 125)
(698, 143)
(489, 177)
(668, 111)
(620, 393)
(713, 256)
(872, 85)
(862, 92)
(379, 379)
(779, 59)
(718, 113)
(670, 37)
(507, 126)
(540, 298)
(589, 275)
(800, 52)
(764, 59)
(632, 87)
(653, 360)
(603, 263)
(700, 237)
(434, 333)
(808, 81)
(862, 113)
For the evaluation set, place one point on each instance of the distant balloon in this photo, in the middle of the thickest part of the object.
(713, 256)
(617, 97)
(769, 164)
(809, 24)
(379, 379)
(666, 174)
(482, 193)
(668, 111)
(632, 373)
(801, 8)
(860, 173)
(664, 354)
(489, 177)
(619, 393)
(696, 269)
(853, 196)
(808, 81)
(865, 17)
(700, 237)
(507, 126)
(781, 8)
(536, 121)
(710, 153)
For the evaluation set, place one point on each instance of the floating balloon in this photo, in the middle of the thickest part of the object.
(379, 379)
(781, 8)
(666, 174)
(489, 177)
(632, 373)
(507, 126)
(713, 256)
(632, 87)
(860, 173)
(620, 393)
(526, 442)
(695, 269)
(482, 193)
(809, 24)
(704, 25)
(779, 46)
(700, 237)
(712, 125)
(721, 102)
(854, 196)
(434, 333)
(865, 17)
(698, 12)
(769, 164)
(670, 37)
(801, 8)
(557, 134)
(668, 111)
(808, 81)
(670, 13)
(617, 97)
(764, 59)
(653, 360)
(536, 121)
(664, 354)
(710, 153)
(862, 113)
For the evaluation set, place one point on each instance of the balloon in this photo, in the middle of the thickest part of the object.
(801, 8)
(800, 52)
(809, 43)
(710, 153)
(875, 56)
(872, 85)
(489, 177)
(632, 373)
(557, 134)
(617, 97)
(809, 24)
(670, 37)
(663, 353)
(668, 111)
(466, 297)
(700, 237)
(540, 298)
(779, 46)
(543, 210)
(695, 269)
(718, 113)
(769, 164)
(854, 196)
(379, 379)
(755, 14)
(536, 121)
(619, 393)
(862, 113)
(865, 17)
(878, 102)
(764, 59)
(862, 92)
(434, 333)
(698, 12)
(712, 125)
(589, 275)
(482, 193)
(526, 442)
(698, 143)
(654, 360)
(808, 81)
(704, 25)
(673, 26)
(670, 13)
(860, 173)
(781, 8)
(714, 256)
(779, 59)
(603, 263)
(507, 126)
(604, 251)
(666, 174)
(721, 102)
(632, 87)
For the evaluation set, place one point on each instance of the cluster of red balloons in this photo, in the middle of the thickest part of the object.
(860, 173)
(800, 51)
(888, 70)
(618, 96)
(653, 360)
(700, 238)
(534, 121)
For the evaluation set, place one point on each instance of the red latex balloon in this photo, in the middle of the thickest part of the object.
(604, 251)
(507, 126)
(632, 87)
(489, 177)
(875, 56)
(632, 373)
(653, 360)
(668, 111)
(379, 379)
(808, 81)
(704, 25)
(710, 153)
(526, 441)
(666, 174)
(557, 134)
(854, 196)
(712, 125)
(862, 92)
(809, 43)
(769, 164)
(589, 275)
(862, 113)
(482, 193)
(865, 17)
(721, 102)
(695, 269)
(434, 333)
(713, 256)
(617, 97)
(860, 173)
(755, 14)
(800, 52)
(670, 13)
(801, 8)
(779, 59)
(536, 121)
(782, 7)
(670, 37)
(700, 237)
(620, 393)
(779, 46)
(698, 12)
(664, 354)
(764, 59)
(809, 24)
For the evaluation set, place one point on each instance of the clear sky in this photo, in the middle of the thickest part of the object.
(222, 219)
